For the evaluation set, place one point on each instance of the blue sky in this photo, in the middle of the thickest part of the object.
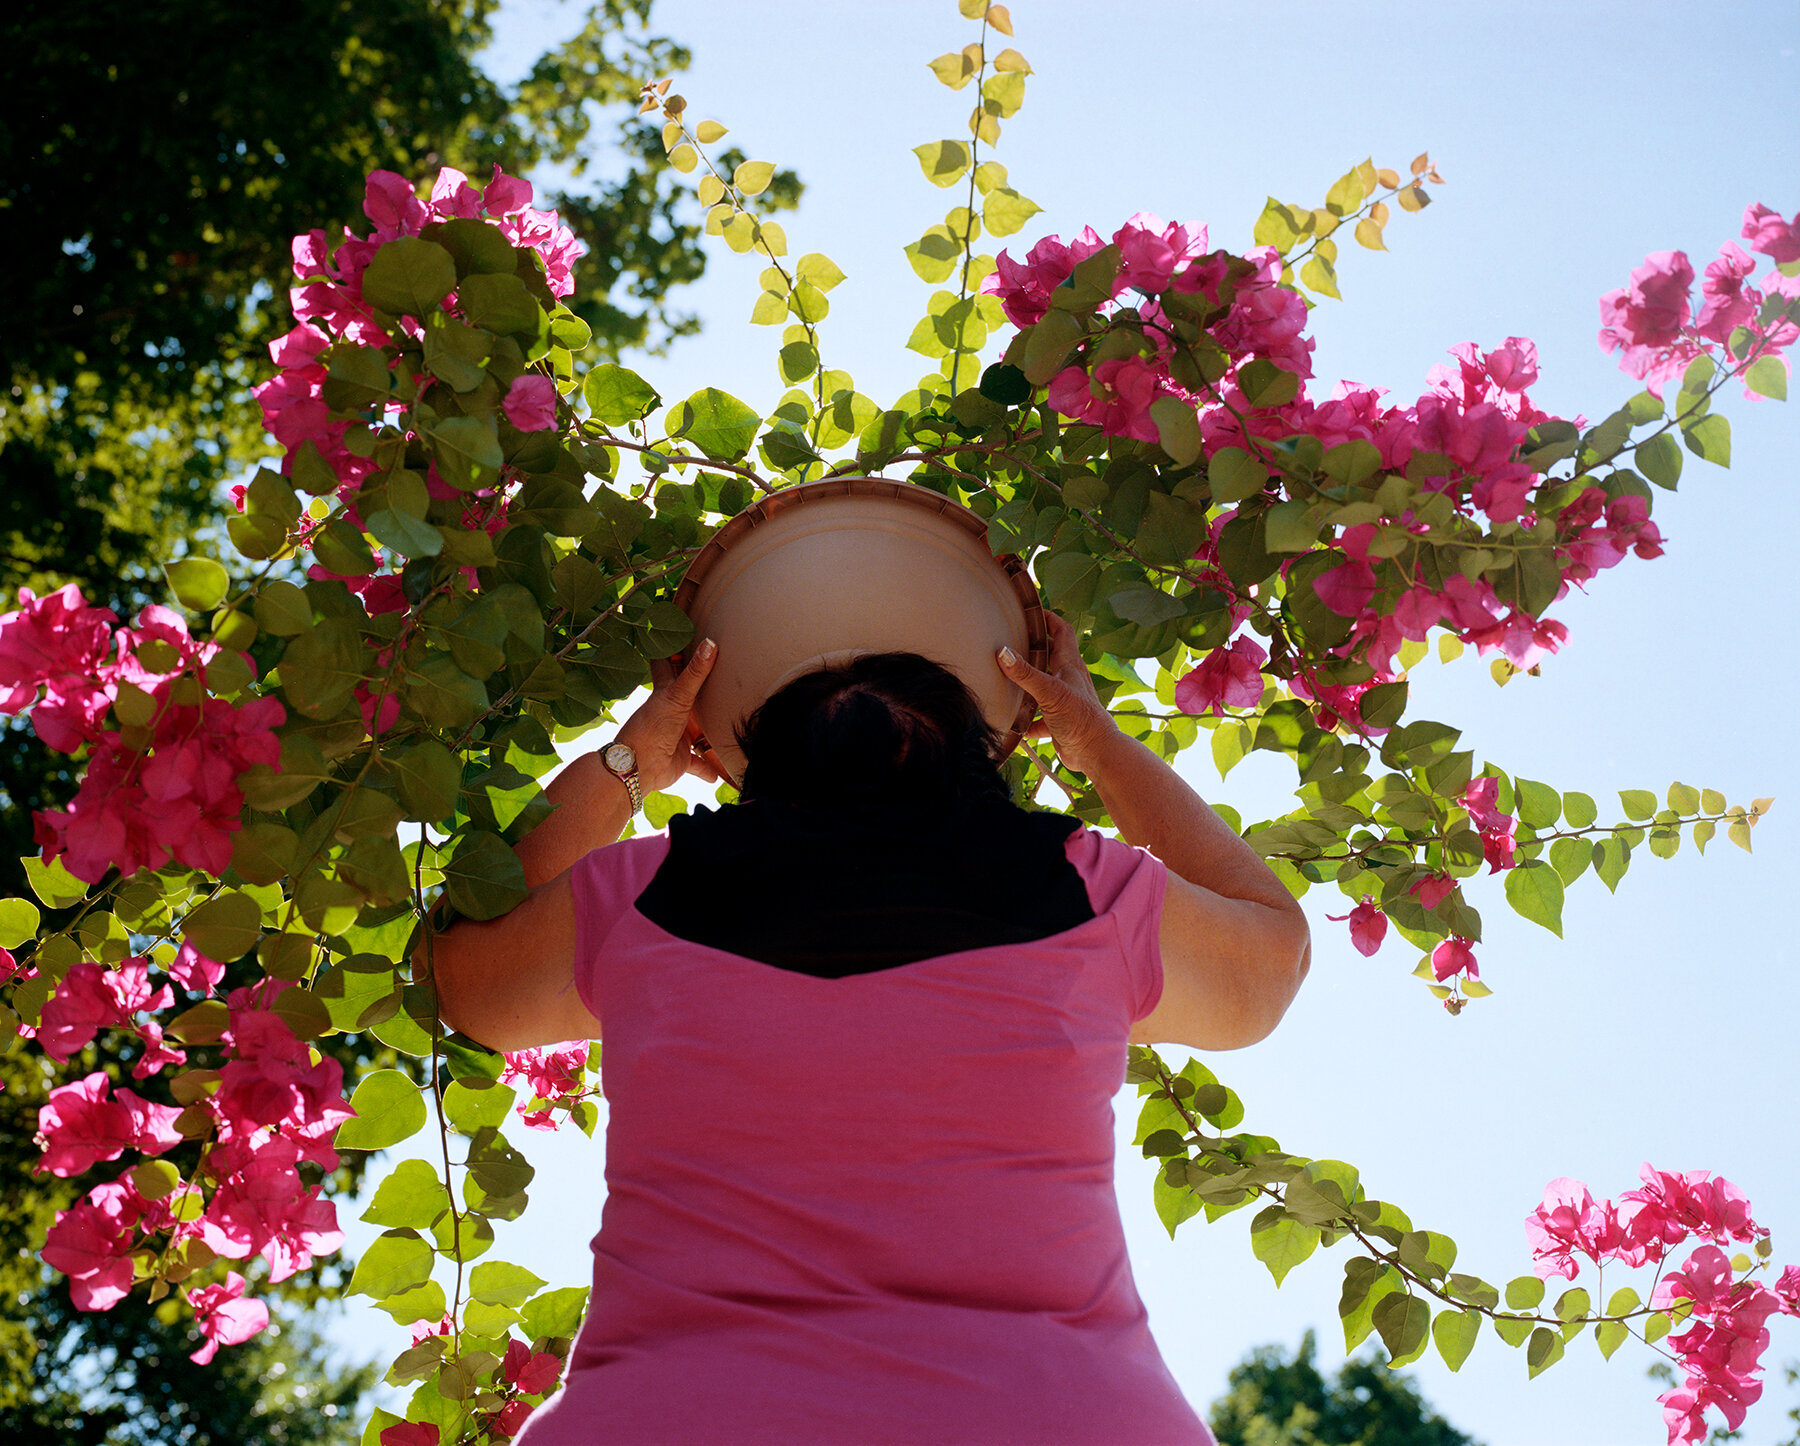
(1575, 137)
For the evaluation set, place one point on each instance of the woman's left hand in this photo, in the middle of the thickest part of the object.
(657, 731)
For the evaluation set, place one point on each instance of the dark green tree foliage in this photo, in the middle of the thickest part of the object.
(1276, 1400)
(154, 162)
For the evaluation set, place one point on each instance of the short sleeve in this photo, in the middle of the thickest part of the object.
(606, 884)
(1126, 884)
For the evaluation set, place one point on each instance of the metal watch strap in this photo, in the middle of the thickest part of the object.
(630, 780)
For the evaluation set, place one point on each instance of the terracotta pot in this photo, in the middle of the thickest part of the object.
(821, 573)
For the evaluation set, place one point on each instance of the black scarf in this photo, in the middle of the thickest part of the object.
(834, 894)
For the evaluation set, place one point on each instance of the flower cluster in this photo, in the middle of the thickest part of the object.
(329, 307)
(162, 783)
(275, 1107)
(1658, 332)
(1464, 440)
(1726, 1310)
(556, 1077)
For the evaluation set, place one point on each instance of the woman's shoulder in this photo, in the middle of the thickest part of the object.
(1112, 869)
(618, 872)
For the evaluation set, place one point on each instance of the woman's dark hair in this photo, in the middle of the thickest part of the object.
(883, 732)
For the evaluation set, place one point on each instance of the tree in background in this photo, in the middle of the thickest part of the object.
(154, 163)
(1275, 1401)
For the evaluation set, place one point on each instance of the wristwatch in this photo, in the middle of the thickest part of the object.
(621, 760)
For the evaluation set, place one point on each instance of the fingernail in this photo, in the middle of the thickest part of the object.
(1008, 657)
(706, 649)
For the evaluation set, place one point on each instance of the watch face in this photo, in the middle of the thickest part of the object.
(619, 757)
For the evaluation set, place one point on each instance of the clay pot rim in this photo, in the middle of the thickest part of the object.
(830, 489)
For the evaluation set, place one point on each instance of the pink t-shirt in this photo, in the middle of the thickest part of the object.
(870, 1209)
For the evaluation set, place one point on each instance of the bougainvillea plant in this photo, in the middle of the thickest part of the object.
(466, 556)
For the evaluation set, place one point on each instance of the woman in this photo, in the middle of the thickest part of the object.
(863, 1031)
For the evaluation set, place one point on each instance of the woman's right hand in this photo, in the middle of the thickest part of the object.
(1074, 717)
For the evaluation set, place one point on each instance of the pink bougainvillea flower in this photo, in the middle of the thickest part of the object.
(555, 1075)
(91, 1244)
(1229, 677)
(1368, 925)
(530, 403)
(193, 971)
(1454, 956)
(410, 1433)
(1671, 1206)
(1115, 397)
(510, 1419)
(1433, 891)
(1151, 250)
(505, 194)
(1775, 238)
(533, 1372)
(1644, 321)
(1024, 287)
(225, 1318)
(1787, 1289)
(1570, 1220)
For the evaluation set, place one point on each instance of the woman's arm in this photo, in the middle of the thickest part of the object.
(509, 982)
(1235, 944)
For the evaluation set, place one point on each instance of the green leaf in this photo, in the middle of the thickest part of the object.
(1544, 1350)
(943, 162)
(18, 922)
(403, 534)
(467, 451)
(471, 1105)
(818, 269)
(1659, 459)
(412, 1196)
(499, 1282)
(341, 548)
(718, 424)
(1177, 429)
(1005, 211)
(1579, 809)
(1683, 798)
(500, 304)
(395, 1261)
(1233, 474)
(1290, 528)
(282, 609)
(424, 1302)
(1455, 1332)
(1512, 1329)
(1609, 1335)
(617, 395)
(427, 777)
(554, 1313)
(456, 354)
(53, 883)
(1709, 438)
(1281, 1243)
(1638, 803)
(1767, 377)
(1539, 804)
(1524, 1292)
(752, 178)
(409, 277)
(442, 693)
(1174, 1203)
(484, 877)
(199, 583)
(1535, 890)
(1319, 275)
(389, 1109)
(663, 630)
(1570, 858)
(1612, 856)
(226, 927)
(1404, 1322)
